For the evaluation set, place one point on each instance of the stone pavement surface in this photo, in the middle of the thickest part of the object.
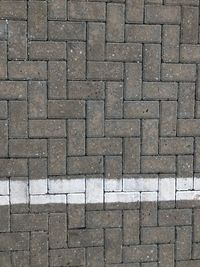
(99, 133)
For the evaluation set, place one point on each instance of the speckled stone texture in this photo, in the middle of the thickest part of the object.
(106, 89)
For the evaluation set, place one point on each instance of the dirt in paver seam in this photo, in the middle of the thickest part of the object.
(99, 133)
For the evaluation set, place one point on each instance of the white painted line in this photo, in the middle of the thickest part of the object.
(94, 190)
(98, 190)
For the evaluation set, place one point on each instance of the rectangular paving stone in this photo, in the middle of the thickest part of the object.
(133, 81)
(156, 164)
(122, 128)
(47, 50)
(189, 25)
(141, 109)
(37, 20)
(164, 14)
(171, 36)
(69, 109)
(85, 165)
(11, 11)
(114, 100)
(86, 11)
(115, 22)
(140, 253)
(104, 70)
(27, 70)
(104, 146)
(134, 11)
(178, 72)
(57, 9)
(57, 156)
(47, 128)
(143, 33)
(66, 30)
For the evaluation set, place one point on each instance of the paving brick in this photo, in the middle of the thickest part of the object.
(57, 9)
(151, 62)
(175, 217)
(3, 30)
(5, 219)
(186, 100)
(47, 128)
(131, 224)
(37, 168)
(29, 222)
(76, 61)
(80, 10)
(76, 137)
(189, 263)
(69, 109)
(88, 237)
(143, 33)
(131, 161)
(160, 90)
(71, 256)
(115, 23)
(183, 243)
(189, 25)
(183, 2)
(156, 164)
(57, 230)
(57, 80)
(56, 159)
(11, 11)
(178, 72)
(122, 128)
(37, 100)
(3, 138)
(17, 40)
(76, 216)
(95, 118)
(166, 255)
(47, 50)
(134, 11)
(133, 81)
(150, 137)
(85, 165)
(27, 70)
(65, 30)
(113, 167)
(141, 109)
(3, 110)
(162, 14)
(86, 90)
(140, 253)
(104, 70)
(95, 256)
(12, 90)
(13, 167)
(188, 127)
(184, 165)
(103, 219)
(39, 249)
(3, 58)
(170, 51)
(18, 119)
(113, 245)
(196, 236)
(123, 52)
(104, 146)
(114, 100)
(176, 145)
(168, 123)
(14, 241)
(158, 235)
(27, 148)
(96, 41)
(37, 20)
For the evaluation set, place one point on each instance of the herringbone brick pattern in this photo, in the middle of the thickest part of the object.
(105, 89)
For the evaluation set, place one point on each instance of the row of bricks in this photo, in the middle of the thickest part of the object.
(169, 192)
(129, 219)
(114, 93)
(95, 146)
(113, 71)
(114, 166)
(134, 256)
(96, 11)
(97, 48)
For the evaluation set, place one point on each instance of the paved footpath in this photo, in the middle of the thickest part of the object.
(99, 133)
